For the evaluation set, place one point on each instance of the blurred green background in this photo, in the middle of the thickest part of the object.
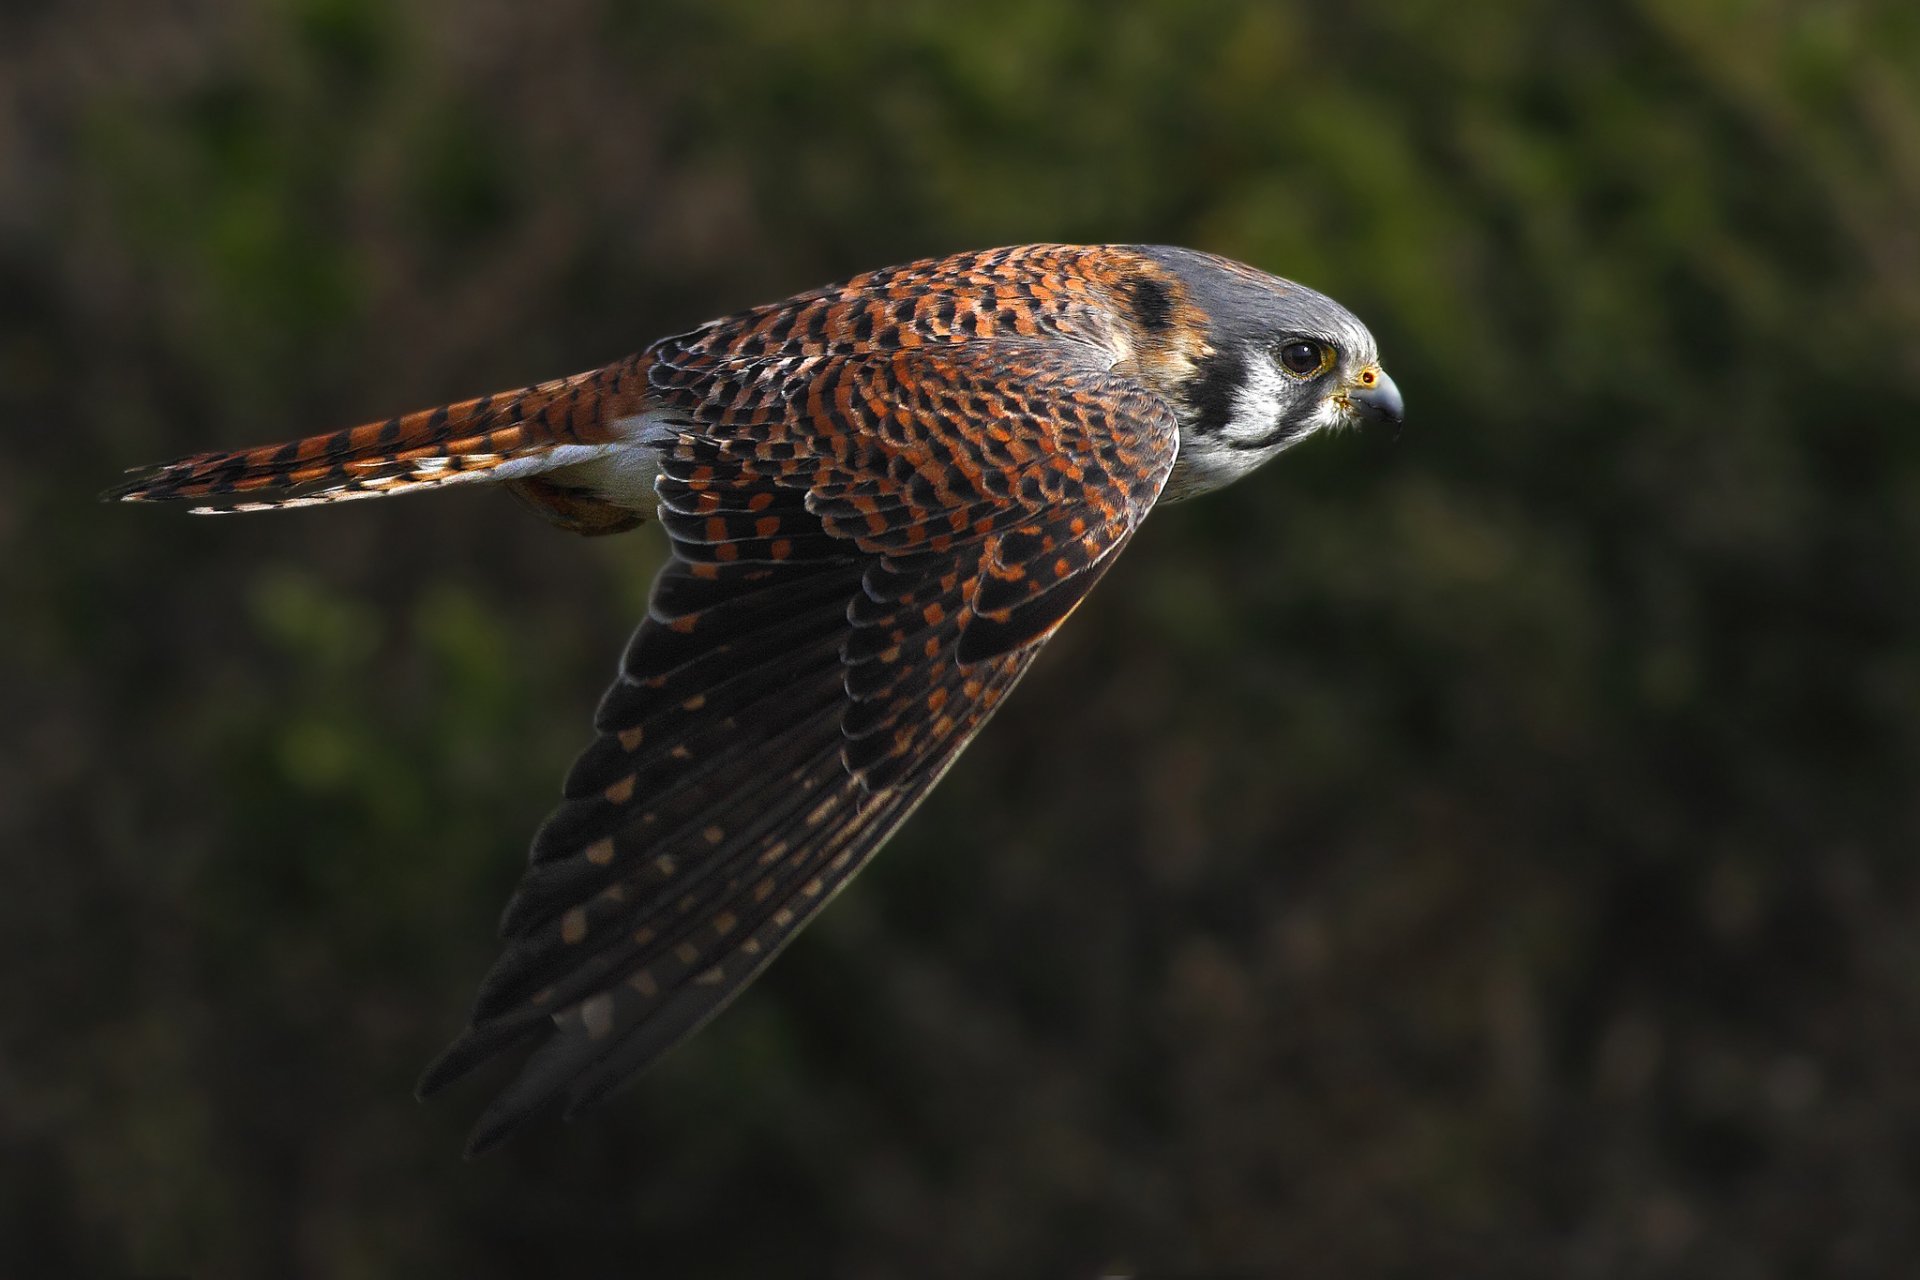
(1490, 853)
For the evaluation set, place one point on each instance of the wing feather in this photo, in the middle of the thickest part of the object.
(867, 552)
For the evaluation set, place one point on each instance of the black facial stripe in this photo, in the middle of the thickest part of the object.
(1211, 390)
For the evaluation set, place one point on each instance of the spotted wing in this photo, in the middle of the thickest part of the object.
(867, 552)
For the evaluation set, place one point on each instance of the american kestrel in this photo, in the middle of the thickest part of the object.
(881, 498)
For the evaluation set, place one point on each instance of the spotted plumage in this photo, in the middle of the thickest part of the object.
(881, 498)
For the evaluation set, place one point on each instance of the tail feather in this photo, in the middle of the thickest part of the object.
(505, 436)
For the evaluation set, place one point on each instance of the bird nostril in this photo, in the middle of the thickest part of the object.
(1367, 377)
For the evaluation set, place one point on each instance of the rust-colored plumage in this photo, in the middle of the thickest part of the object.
(881, 497)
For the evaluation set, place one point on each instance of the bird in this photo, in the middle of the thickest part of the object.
(881, 498)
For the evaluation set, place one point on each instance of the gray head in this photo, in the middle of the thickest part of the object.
(1280, 363)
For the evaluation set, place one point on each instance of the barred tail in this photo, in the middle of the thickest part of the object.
(509, 436)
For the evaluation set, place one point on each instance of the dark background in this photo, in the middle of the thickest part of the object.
(1493, 852)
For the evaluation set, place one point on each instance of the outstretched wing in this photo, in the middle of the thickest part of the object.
(867, 552)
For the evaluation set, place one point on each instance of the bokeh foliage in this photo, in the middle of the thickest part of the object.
(1493, 851)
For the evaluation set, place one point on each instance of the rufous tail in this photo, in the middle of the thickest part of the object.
(514, 435)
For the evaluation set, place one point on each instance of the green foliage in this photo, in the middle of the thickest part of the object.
(1490, 851)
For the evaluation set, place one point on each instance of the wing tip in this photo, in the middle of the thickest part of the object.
(452, 1063)
(471, 1049)
(455, 1062)
(508, 1114)
(491, 1131)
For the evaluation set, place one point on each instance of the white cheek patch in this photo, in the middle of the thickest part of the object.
(1257, 402)
(1252, 433)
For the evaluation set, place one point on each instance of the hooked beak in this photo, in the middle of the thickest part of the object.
(1377, 399)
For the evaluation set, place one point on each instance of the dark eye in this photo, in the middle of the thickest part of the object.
(1304, 357)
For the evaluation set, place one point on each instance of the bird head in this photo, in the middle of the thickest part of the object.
(1276, 362)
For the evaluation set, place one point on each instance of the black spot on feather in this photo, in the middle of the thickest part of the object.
(1152, 305)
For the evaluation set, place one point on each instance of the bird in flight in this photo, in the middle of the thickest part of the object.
(882, 497)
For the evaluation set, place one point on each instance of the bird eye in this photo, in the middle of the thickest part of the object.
(1303, 357)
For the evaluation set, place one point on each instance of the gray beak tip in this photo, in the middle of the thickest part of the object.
(1380, 402)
